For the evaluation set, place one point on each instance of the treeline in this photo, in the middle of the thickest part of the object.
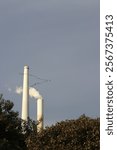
(15, 134)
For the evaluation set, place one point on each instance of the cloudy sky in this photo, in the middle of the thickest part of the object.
(59, 40)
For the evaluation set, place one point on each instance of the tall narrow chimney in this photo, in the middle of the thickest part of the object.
(40, 114)
(25, 96)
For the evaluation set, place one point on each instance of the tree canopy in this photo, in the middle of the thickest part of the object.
(78, 134)
(11, 137)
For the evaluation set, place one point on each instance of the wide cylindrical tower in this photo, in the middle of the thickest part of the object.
(25, 95)
(40, 114)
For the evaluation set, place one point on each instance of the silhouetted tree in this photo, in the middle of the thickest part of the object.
(15, 134)
(11, 137)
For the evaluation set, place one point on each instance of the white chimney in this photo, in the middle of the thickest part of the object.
(40, 114)
(25, 96)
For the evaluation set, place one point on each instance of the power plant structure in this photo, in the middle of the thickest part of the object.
(25, 101)
(25, 94)
(40, 114)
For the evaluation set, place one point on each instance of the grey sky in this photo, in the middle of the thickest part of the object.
(59, 40)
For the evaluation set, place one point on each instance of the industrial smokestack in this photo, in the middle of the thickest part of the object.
(25, 95)
(34, 94)
(40, 114)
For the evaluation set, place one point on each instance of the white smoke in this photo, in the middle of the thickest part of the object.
(19, 90)
(32, 92)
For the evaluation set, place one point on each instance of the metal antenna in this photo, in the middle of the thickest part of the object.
(42, 80)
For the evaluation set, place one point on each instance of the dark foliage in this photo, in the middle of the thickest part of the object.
(15, 134)
(80, 134)
(11, 137)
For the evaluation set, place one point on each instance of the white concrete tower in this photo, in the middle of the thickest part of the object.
(40, 114)
(25, 96)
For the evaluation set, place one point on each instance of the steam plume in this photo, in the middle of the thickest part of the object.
(19, 90)
(32, 92)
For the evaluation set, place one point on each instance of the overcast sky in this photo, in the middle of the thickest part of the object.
(59, 40)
